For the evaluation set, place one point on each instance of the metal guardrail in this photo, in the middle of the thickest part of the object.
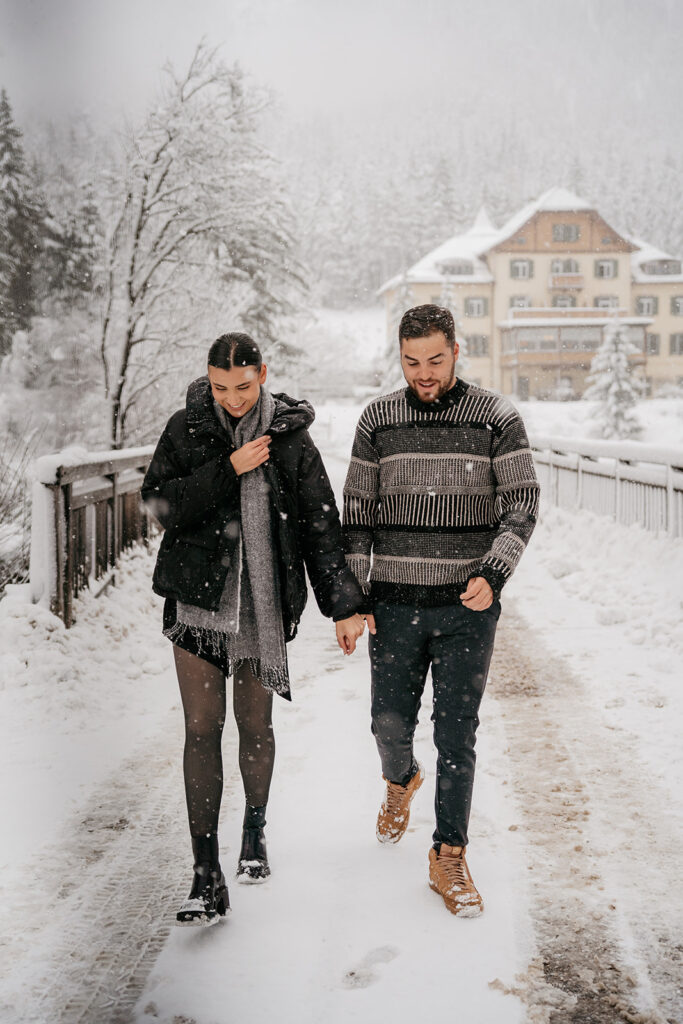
(86, 511)
(627, 480)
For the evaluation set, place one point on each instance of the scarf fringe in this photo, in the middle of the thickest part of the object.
(272, 677)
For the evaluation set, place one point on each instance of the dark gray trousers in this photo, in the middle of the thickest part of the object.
(458, 644)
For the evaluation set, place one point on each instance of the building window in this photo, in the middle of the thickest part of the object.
(676, 344)
(520, 302)
(566, 232)
(652, 344)
(477, 345)
(606, 301)
(564, 267)
(456, 268)
(521, 269)
(661, 267)
(647, 305)
(677, 305)
(476, 307)
(564, 301)
(606, 268)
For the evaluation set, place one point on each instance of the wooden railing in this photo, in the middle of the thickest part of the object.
(627, 480)
(86, 511)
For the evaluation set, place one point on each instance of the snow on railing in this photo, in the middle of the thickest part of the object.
(86, 510)
(627, 480)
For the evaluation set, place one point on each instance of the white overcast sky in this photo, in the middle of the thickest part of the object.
(105, 56)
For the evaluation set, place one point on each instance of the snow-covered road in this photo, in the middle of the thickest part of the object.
(575, 832)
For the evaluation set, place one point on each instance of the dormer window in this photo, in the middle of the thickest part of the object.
(456, 268)
(661, 267)
(566, 232)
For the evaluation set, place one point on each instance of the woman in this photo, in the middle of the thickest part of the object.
(243, 496)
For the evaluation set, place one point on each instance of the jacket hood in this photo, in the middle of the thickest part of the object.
(290, 413)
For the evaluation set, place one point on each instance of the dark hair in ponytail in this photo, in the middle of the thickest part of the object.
(234, 350)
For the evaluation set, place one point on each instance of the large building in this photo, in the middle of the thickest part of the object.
(532, 298)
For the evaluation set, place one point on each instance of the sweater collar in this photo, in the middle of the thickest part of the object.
(450, 398)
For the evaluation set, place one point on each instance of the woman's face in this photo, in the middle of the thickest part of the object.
(237, 390)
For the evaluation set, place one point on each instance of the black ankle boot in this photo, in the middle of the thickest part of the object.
(208, 900)
(252, 866)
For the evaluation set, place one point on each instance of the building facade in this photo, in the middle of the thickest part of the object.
(532, 298)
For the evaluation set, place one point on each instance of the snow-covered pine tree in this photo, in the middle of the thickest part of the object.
(5, 277)
(448, 300)
(21, 224)
(390, 369)
(74, 249)
(612, 386)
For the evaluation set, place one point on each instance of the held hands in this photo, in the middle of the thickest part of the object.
(348, 631)
(251, 455)
(478, 595)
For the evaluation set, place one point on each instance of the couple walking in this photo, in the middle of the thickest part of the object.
(439, 502)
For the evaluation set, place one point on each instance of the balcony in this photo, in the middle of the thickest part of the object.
(566, 282)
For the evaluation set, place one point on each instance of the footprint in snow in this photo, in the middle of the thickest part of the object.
(364, 975)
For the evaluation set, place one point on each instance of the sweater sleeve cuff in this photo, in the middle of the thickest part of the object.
(495, 579)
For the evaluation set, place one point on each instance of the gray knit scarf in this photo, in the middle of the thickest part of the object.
(248, 623)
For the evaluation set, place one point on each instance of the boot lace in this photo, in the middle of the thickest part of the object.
(395, 800)
(454, 869)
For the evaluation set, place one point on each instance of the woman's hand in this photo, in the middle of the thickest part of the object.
(348, 631)
(251, 455)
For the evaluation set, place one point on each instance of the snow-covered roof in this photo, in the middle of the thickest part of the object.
(647, 253)
(484, 236)
(555, 200)
(466, 248)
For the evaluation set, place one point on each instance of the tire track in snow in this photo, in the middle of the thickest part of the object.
(604, 899)
(100, 907)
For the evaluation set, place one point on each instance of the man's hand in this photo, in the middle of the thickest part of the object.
(370, 619)
(348, 631)
(251, 455)
(478, 595)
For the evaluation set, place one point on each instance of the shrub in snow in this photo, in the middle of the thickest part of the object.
(612, 385)
(390, 370)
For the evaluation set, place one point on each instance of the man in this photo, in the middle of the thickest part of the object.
(440, 500)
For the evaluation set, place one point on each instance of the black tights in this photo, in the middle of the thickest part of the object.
(202, 689)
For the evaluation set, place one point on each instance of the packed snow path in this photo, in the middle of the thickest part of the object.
(575, 834)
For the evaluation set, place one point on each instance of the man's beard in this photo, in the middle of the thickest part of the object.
(438, 392)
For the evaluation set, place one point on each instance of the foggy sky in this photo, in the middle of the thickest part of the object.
(567, 60)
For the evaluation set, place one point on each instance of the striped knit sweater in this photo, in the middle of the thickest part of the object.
(437, 493)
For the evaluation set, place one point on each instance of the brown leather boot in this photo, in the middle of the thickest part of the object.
(451, 878)
(394, 814)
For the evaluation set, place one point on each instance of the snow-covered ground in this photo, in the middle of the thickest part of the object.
(575, 836)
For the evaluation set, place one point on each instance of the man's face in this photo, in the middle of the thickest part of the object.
(429, 365)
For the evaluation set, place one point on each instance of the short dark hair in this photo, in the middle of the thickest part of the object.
(420, 321)
(234, 350)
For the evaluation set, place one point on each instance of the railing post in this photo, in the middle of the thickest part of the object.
(116, 524)
(68, 558)
(617, 495)
(579, 481)
(670, 502)
(57, 598)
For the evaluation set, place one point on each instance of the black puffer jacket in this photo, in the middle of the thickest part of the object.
(193, 490)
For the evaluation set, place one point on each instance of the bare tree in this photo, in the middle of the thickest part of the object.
(198, 225)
